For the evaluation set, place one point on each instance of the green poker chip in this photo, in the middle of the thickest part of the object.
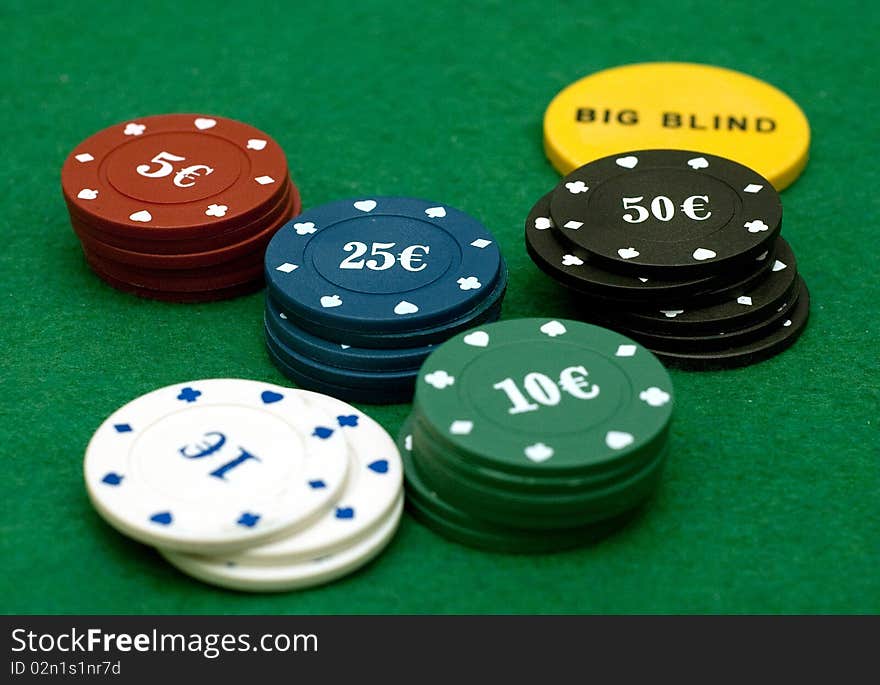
(551, 397)
(501, 506)
(462, 527)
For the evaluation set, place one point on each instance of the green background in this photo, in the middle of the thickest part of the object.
(770, 502)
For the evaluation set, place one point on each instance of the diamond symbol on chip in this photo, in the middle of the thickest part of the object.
(481, 243)
(304, 228)
(553, 328)
(744, 299)
(84, 157)
(626, 350)
(461, 427)
(134, 129)
(654, 397)
(542, 223)
(264, 180)
(577, 187)
(469, 283)
(217, 210)
(756, 226)
(573, 225)
(439, 379)
(286, 268)
(752, 188)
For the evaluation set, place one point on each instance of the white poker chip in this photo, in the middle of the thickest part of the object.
(214, 466)
(373, 486)
(295, 576)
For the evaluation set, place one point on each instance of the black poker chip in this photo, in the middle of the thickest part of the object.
(670, 212)
(755, 304)
(577, 269)
(777, 339)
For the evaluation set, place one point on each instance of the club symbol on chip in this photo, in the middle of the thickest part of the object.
(577, 187)
(469, 283)
(654, 397)
(671, 313)
(542, 223)
(436, 212)
(256, 144)
(756, 226)
(216, 210)
(439, 379)
(698, 163)
(571, 260)
(617, 440)
(304, 228)
(133, 129)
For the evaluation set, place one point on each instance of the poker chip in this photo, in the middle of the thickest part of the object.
(248, 485)
(681, 106)
(536, 435)
(359, 291)
(176, 193)
(214, 466)
(677, 249)
(674, 211)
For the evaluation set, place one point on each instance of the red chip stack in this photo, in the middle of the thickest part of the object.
(178, 207)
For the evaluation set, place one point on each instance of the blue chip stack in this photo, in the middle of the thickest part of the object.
(358, 292)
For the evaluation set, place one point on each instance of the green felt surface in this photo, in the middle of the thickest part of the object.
(770, 502)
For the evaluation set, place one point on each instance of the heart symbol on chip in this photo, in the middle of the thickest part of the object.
(164, 518)
(256, 144)
(701, 254)
(378, 466)
(270, 397)
(404, 307)
(628, 253)
(698, 163)
(304, 228)
(542, 223)
(553, 328)
(204, 124)
(617, 440)
(477, 339)
(571, 260)
(365, 205)
(628, 162)
(436, 212)
(328, 301)
(538, 452)
(142, 216)
(87, 194)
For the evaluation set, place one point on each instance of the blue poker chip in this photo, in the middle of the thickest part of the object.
(300, 372)
(382, 265)
(337, 354)
(488, 310)
(372, 381)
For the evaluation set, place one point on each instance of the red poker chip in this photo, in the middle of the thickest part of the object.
(226, 293)
(242, 270)
(288, 202)
(254, 243)
(174, 176)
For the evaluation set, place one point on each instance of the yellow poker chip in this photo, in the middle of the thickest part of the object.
(676, 105)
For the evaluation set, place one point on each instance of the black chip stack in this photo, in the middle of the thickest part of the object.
(680, 251)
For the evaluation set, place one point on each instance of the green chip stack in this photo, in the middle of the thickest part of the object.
(535, 435)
